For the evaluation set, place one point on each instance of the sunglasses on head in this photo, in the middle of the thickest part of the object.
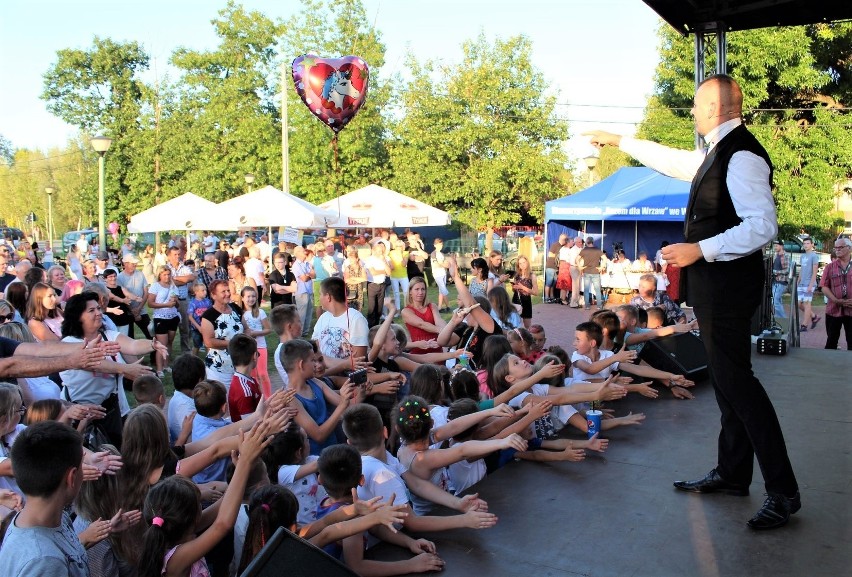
(7, 318)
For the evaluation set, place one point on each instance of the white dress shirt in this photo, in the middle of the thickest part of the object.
(748, 184)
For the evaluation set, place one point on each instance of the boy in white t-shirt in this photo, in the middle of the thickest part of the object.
(592, 363)
(341, 331)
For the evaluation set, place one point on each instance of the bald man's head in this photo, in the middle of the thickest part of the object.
(717, 100)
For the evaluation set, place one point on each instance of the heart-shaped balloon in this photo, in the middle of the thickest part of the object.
(333, 89)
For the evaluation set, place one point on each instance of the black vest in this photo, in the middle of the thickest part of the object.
(710, 211)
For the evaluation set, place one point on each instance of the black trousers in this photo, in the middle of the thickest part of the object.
(832, 331)
(750, 426)
(142, 323)
(375, 302)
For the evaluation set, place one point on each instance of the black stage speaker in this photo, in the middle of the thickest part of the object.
(683, 354)
(285, 555)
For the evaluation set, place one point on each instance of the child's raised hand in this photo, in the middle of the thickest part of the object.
(502, 410)
(540, 409)
(623, 380)
(276, 401)
(104, 462)
(386, 388)
(479, 520)
(611, 392)
(472, 503)
(10, 499)
(551, 369)
(390, 515)
(96, 532)
(625, 355)
(279, 421)
(608, 414)
(597, 444)
(515, 441)
(422, 546)
(254, 441)
(123, 521)
(391, 306)
(361, 508)
(646, 390)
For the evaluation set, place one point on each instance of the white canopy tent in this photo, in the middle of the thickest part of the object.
(376, 206)
(268, 207)
(185, 212)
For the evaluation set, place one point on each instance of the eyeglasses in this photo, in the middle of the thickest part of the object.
(22, 411)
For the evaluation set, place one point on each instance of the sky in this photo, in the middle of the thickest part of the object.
(598, 55)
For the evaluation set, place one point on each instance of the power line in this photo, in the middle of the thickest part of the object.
(46, 158)
(684, 109)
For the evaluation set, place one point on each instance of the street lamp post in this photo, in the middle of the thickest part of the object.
(101, 144)
(249, 178)
(49, 189)
(591, 163)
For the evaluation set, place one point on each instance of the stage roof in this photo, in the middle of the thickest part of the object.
(689, 16)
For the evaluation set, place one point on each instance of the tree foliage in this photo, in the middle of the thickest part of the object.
(480, 139)
(796, 82)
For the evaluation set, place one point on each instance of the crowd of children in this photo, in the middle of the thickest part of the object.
(349, 453)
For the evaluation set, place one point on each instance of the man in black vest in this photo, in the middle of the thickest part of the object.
(730, 218)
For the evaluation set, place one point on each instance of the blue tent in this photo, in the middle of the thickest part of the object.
(638, 207)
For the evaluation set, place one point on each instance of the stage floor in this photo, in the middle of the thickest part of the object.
(617, 514)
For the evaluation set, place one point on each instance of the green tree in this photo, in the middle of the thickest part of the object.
(70, 170)
(795, 84)
(99, 90)
(481, 139)
(224, 122)
(331, 29)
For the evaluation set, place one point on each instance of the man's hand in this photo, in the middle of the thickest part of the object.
(599, 138)
(86, 359)
(682, 254)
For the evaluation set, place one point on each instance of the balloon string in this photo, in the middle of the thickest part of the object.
(336, 168)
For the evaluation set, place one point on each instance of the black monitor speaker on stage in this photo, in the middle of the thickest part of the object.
(286, 555)
(683, 354)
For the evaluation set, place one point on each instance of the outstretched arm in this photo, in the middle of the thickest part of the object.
(593, 368)
(482, 318)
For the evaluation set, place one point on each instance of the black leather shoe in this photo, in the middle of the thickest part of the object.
(712, 483)
(775, 512)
